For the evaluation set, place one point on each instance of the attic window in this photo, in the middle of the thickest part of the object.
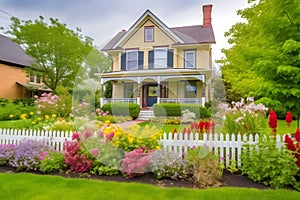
(149, 33)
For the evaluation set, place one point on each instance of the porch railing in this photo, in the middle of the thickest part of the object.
(181, 100)
(120, 100)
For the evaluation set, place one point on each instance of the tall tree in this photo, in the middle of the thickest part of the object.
(58, 51)
(265, 53)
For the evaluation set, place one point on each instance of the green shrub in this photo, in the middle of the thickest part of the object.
(52, 162)
(11, 110)
(123, 109)
(270, 166)
(175, 109)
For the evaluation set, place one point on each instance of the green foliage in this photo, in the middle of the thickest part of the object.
(206, 168)
(54, 162)
(11, 110)
(263, 60)
(123, 109)
(100, 169)
(270, 166)
(174, 109)
(58, 51)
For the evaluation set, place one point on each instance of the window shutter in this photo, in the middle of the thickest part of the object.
(170, 58)
(151, 59)
(141, 60)
(123, 62)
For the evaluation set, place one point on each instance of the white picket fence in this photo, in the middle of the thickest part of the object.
(227, 147)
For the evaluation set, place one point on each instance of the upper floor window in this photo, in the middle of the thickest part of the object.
(33, 78)
(190, 59)
(160, 57)
(149, 34)
(132, 60)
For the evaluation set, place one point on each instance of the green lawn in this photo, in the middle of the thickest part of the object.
(282, 128)
(14, 124)
(30, 186)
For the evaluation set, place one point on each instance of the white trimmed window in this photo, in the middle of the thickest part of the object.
(149, 34)
(190, 59)
(132, 59)
(160, 57)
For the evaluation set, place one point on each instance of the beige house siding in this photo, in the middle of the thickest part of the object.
(9, 75)
(117, 90)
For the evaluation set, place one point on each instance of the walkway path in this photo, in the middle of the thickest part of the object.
(124, 125)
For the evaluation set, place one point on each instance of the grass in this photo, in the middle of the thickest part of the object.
(31, 186)
(282, 128)
(13, 124)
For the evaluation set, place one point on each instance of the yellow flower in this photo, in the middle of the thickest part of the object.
(130, 139)
(47, 117)
(11, 116)
(117, 143)
(53, 115)
(33, 122)
(39, 118)
(23, 116)
(31, 113)
(158, 147)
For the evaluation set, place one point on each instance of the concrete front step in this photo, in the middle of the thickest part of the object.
(145, 115)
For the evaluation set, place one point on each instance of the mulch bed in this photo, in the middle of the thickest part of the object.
(228, 179)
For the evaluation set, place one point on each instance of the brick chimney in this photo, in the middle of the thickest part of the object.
(207, 15)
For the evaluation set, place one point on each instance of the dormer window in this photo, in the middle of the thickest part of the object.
(149, 34)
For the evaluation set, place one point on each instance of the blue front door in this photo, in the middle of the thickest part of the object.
(152, 92)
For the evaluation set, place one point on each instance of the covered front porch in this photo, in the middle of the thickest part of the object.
(147, 89)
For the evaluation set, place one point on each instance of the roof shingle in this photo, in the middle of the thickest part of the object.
(11, 52)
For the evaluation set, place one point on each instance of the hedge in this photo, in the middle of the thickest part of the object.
(122, 109)
(175, 109)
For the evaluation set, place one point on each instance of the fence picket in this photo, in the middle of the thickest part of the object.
(227, 149)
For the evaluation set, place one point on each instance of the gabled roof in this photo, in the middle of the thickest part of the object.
(181, 35)
(12, 53)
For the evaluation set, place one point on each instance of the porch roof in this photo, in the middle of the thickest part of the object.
(155, 75)
(155, 72)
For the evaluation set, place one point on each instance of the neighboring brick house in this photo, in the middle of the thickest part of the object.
(153, 63)
(15, 82)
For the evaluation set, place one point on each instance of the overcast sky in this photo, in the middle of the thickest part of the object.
(102, 19)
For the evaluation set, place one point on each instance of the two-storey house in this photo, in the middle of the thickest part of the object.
(153, 63)
(15, 82)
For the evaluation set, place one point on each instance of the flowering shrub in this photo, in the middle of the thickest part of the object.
(166, 164)
(26, 154)
(206, 169)
(167, 120)
(288, 118)
(52, 161)
(136, 162)
(294, 146)
(6, 153)
(75, 157)
(133, 137)
(244, 117)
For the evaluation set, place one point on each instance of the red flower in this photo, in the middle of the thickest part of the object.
(207, 126)
(273, 120)
(192, 126)
(297, 135)
(184, 131)
(288, 118)
(213, 125)
(175, 130)
(189, 131)
(201, 126)
(289, 143)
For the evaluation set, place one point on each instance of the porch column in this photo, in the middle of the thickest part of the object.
(138, 100)
(203, 91)
(102, 92)
(158, 90)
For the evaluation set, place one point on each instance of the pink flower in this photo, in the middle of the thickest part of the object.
(75, 136)
(110, 136)
(88, 133)
(94, 152)
(98, 110)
